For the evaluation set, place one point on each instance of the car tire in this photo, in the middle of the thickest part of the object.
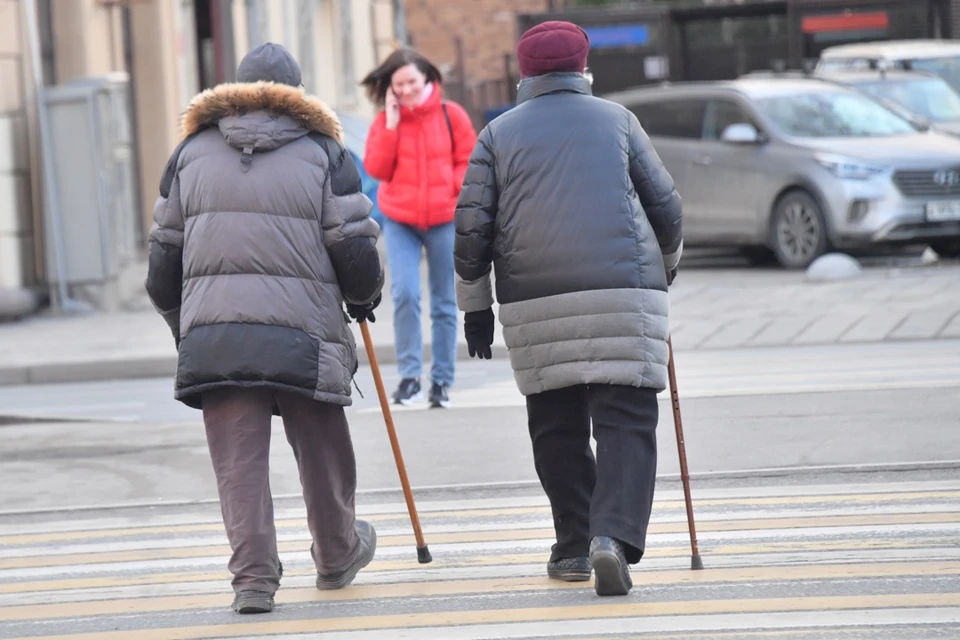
(798, 230)
(949, 249)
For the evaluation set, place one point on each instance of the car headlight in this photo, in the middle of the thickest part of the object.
(848, 168)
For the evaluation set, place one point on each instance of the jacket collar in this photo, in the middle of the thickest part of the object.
(237, 99)
(537, 86)
(432, 103)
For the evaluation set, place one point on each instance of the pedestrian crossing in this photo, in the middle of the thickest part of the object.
(786, 562)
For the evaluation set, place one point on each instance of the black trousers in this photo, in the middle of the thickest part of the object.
(612, 494)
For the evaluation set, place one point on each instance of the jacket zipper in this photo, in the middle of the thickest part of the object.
(422, 174)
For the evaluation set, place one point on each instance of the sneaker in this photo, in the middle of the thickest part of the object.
(438, 396)
(251, 601)
(408, 393)
(570, 569)
(368, 546)
(610, 564)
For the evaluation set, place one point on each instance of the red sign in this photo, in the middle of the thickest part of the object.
(846, 21)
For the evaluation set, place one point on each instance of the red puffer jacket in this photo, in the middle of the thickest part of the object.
(420, 164)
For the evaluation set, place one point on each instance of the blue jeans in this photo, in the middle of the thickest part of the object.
(405, 245)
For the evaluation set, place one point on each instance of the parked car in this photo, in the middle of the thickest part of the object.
(799, 166)
(923, 98)
(941, 57)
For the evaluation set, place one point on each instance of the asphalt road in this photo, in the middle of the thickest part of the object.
(130, 442)
(825, 488)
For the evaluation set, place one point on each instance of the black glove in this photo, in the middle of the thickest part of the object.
(478, 329)
(364, 312)
(671, 276)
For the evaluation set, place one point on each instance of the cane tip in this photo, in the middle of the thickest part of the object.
(696, 564)
(423, 555)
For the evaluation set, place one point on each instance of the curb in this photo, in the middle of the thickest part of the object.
(165, 366)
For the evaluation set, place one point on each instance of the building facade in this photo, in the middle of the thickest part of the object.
(168, 51)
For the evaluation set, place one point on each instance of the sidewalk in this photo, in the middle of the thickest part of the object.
(138, 344)
(711, 309)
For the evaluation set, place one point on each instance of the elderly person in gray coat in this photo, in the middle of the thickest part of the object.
(567, 199)
(261, 235)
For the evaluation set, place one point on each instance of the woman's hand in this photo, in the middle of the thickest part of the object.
(392, 106)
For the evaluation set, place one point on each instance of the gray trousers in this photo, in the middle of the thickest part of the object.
(238, 434)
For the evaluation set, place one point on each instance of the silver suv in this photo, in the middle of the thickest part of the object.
(797, 166)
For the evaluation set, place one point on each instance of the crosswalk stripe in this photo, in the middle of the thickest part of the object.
(533, 614)
(427, 516)
(466, 587)
(842, 556)
(830, 625)
(494, 560)
(498, 535)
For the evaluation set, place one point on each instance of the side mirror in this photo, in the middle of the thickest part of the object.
(741, 134)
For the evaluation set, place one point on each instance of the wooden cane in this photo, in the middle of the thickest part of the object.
(696, 563)
(423, 552)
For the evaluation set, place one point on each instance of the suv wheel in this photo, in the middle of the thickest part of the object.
(949, 249)
(798, 232)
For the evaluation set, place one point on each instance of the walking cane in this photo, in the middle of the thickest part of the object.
(696, 563)
(423, 552)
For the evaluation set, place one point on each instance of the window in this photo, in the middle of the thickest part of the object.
(720, 115)
(672, 118)
(932, 98)
(832, 114)
(946, 68)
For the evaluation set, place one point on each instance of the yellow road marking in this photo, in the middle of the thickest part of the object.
(428, 516)
(505, 535)
(467, 587)
(540, 614)
(484, 560)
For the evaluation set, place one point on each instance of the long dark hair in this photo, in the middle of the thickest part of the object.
(378, 81)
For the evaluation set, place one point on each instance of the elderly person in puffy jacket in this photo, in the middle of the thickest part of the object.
(567, 199)
(261, 234)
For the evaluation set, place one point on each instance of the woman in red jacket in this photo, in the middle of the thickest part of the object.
(418, 147)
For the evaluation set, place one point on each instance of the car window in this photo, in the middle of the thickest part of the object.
(672, 118)
(843, 64)
(832, 114)
(946, 68)
(720, 115)
(932, 98)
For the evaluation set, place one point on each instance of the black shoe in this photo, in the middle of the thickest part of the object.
(438, 396)
(610, 565)
(368, 546)
(570, 569)
(408, 393)
(251, 601)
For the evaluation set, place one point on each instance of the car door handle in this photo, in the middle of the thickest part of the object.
(704, 161)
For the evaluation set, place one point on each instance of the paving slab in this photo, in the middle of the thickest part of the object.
(925, 324)
(874, 327)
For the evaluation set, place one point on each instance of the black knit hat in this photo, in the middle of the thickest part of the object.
(270, 63)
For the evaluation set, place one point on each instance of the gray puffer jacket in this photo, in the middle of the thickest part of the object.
(260, 234)
(567, 198)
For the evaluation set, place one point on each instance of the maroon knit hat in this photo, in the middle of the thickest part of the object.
(551, 47)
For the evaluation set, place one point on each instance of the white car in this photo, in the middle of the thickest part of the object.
(941, 57)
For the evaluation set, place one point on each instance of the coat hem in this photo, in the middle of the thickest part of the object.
(192, 395)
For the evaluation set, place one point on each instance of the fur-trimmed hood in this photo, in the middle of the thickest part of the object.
(236, 99)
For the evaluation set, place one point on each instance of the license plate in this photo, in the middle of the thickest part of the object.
(941, 211)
